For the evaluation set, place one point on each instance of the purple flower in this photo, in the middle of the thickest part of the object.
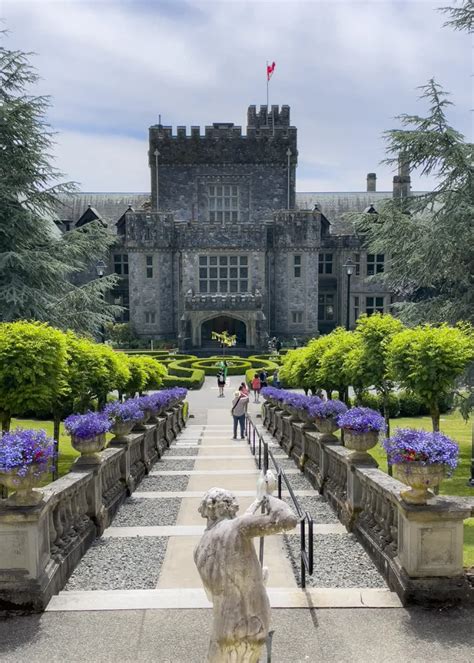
(129, 410)
(409, 445)
(85, 426)
(319, 409)
(20, 449)
(361, 420)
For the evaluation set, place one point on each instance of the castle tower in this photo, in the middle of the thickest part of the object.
(186, 168)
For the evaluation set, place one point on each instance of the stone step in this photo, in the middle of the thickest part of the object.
(191, 598)
(195, 530)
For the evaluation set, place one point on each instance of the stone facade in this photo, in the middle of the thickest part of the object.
(225, 242)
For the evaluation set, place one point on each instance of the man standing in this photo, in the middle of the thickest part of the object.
(239, 410)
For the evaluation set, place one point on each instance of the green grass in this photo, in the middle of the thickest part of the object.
(460, 431)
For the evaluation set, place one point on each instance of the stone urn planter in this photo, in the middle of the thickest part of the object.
(89, 448)
(420, 478)
(24, 494)
(360, 443)
(121, 429)
(327, 428)
(140, 425)
(420, 459)
(25, 457)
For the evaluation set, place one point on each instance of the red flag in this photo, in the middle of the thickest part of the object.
(270, 70)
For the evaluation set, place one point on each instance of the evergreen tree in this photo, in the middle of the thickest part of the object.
(37, 263)
(430, 237)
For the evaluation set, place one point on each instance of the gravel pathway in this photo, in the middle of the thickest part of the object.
(136, 512)
(181, 451)
(286, 463)
(175, 483)
(339, 561)
(298, 482)
(120, 564)
(174, 464)
(317, 507)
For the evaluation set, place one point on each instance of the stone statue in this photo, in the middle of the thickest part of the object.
(231, 573)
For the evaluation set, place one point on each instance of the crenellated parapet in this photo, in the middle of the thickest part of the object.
(292, 229)
(146, 229)
(269, 135)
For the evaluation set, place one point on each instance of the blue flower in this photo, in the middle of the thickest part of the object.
(326, 409)
(22, 448)
(85, 426)
(409, 445)
(361, 420)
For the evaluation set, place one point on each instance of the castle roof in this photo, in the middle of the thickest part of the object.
(336, 204)
(110, 207)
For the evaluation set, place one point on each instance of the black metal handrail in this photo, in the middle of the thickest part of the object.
(306, 542)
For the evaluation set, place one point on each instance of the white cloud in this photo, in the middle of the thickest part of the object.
(103, 163)
(345, 67)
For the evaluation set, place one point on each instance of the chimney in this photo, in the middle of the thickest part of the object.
(402, 181)
(371, 182)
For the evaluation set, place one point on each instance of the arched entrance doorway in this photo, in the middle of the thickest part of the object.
(223, 323)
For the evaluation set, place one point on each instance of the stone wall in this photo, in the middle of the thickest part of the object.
(418, 549)
(41, 546)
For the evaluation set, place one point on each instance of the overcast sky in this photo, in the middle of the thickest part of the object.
(345, 67)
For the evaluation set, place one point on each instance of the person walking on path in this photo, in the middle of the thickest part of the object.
(263, 378)
(221, 383)
(276, 379)
(238, 411)
(256, 386)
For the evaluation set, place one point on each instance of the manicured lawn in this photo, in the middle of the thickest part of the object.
(460, 431)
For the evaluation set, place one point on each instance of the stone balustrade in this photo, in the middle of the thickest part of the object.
(40, 546)
(418, 549)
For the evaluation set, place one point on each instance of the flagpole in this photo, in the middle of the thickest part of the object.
(266, 72)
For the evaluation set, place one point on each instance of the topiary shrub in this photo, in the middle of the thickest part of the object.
(411, 405)
(375, 402)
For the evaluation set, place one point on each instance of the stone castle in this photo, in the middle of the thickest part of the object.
(224, 241)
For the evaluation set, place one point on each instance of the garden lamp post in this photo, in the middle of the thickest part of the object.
(100, 269)
(349, 267)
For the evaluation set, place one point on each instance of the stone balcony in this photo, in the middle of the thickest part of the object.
(223, 301)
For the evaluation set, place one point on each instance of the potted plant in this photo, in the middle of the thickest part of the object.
(361, 426)
(325, 415)
(421, 460)
(25, 456)
(306, 405)
(87, 433)
(123, 416)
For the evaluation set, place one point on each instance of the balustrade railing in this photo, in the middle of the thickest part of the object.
(40, 546)
(261, 451)
(418, 549)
